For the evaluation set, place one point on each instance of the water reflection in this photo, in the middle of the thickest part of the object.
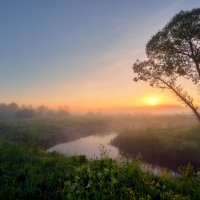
(88, 146)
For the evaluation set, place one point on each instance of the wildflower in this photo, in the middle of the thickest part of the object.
(198, 174)
(157, 184)
(164, 186)
(88, 170)
(88, 185)
(99, 174)
(67, 183)
(106, 170)
(73, 187)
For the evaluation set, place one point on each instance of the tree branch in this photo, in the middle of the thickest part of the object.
(183, 97)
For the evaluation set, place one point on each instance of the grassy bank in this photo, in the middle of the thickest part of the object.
(168, 147)
(46, 133)
(49, 132)
(31, 173)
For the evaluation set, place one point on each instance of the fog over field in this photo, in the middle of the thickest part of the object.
(100, 100)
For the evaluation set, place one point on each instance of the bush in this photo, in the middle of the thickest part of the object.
(31, 173)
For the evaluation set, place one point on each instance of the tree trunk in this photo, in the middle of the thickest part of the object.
(183, 98)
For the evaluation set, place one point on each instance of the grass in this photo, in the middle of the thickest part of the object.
(31, 173)
(27, 171)
(46, 133)
(168, 147)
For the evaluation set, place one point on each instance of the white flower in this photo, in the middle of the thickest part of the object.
(99, 174)
(67, 182)
(164, 186)
(88, 170)
(77, 177)
(198, 174)
(73, 187)
(106, 170)
(88, 185)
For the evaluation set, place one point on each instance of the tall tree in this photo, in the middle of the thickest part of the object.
(174, 52)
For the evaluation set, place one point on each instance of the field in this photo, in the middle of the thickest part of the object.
(27, 171)
(31, 173)
(49, 132)
(167, 147)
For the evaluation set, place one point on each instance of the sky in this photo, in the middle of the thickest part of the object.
(79, 53)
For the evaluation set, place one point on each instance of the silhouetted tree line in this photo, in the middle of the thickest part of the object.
(14, 111)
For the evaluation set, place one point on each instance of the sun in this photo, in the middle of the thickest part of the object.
(152, 101)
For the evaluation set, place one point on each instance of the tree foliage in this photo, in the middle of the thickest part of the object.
(174, 52)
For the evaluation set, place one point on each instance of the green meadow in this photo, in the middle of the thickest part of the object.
(27, 171)
(167, 147)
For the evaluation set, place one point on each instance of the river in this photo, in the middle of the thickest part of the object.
(90, 146)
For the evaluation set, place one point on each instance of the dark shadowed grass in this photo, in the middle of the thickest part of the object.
(168, 147)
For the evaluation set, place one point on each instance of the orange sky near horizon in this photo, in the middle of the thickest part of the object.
(102, 91)
(55, 56)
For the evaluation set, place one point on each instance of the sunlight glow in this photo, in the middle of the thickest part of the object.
(152, 101)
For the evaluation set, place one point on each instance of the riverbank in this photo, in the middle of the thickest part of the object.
(31, 173)
(167, 147)
(46, 133)
(27, 171)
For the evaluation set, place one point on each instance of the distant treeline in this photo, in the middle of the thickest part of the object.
(14, 111)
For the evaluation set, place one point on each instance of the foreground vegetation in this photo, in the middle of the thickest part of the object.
(168, 147)
(27, 171)
(31, 173)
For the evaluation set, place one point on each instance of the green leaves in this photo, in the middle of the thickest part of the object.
(52, 176)
(173, 52)
(176, 47)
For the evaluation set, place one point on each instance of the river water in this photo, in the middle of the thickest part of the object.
(90, 146)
